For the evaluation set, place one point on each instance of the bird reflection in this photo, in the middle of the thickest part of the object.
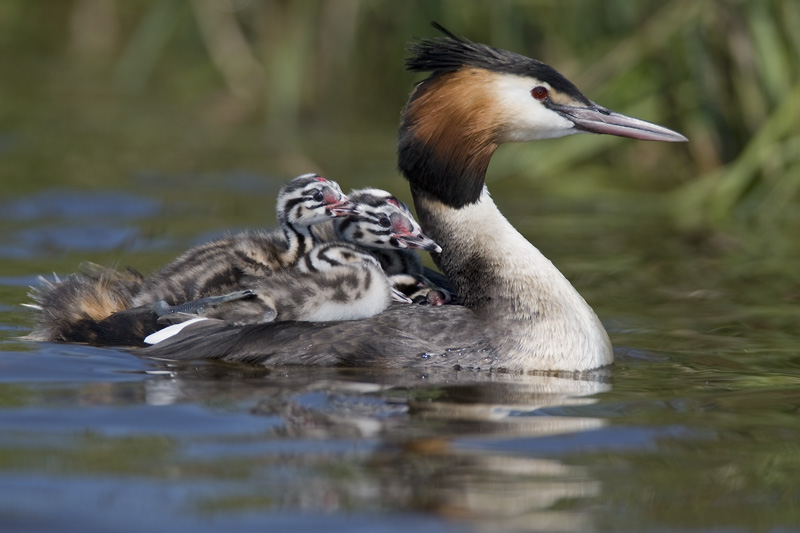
(458, 445)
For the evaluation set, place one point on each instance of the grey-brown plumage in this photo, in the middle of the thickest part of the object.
(335, 281)
(70, 309)
(353, 247)
(76, 309)
(385, 227)
(218, 267)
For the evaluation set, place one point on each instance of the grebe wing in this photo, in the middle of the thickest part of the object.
(402, 336)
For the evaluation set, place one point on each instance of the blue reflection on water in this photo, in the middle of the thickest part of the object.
(59, 363)
(132, 420)
(93, 236)
(58, 203)
(64, 220)
(97, 503)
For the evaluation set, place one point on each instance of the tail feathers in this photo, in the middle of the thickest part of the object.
(68, 310)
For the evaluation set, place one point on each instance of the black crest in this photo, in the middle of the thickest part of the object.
(452, 53)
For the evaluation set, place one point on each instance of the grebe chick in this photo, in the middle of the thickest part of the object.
(519, 312)
(335, 281)
(383, 223)
(68, 310)
(77, 308)
(385, 227)
(216, 268)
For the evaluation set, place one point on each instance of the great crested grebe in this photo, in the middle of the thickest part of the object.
(72, 310)
(519, 312)
(222, 279)
(385, 227)
(334, 281)
(382, 223)
(216, 268)
(341, 278)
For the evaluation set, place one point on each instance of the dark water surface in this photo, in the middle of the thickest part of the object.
(698, 427)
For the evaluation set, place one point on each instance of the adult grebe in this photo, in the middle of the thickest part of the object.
(519, 312)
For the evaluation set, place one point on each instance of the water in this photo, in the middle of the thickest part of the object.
(697, 427)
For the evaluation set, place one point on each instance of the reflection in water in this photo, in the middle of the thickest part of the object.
(352, 440)
(194, 440)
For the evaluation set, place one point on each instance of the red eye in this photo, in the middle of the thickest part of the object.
(540, 93)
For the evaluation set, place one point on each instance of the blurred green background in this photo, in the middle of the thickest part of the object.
(93, 93)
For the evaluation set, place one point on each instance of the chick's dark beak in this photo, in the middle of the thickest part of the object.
(343, 208)
(419, 242)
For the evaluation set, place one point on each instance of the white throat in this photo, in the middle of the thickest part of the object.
(506, 280)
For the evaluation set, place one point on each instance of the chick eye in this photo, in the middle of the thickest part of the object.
(540, 93)
(385, 222)
(317, 195)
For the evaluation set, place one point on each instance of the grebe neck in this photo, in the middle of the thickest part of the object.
(506, 280)
(299, 241)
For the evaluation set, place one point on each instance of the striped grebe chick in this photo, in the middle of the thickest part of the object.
(335, 281)
(216, 268)
(385, 227)
(75, 309)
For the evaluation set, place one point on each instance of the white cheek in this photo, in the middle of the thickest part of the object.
(525, 117)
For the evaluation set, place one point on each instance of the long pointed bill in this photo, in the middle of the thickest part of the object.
(600, 120)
